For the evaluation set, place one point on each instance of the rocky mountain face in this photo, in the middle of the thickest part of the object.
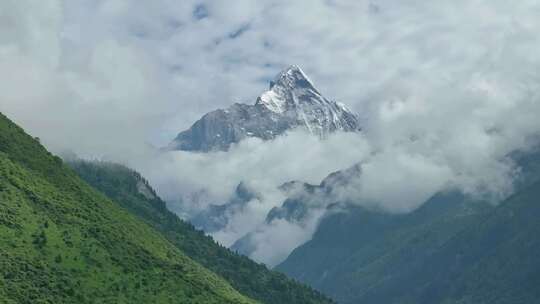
(292, 101)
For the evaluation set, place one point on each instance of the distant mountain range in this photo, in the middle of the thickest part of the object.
(292, 101)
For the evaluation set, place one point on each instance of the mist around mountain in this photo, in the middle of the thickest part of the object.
(304, 205)
(407, 150)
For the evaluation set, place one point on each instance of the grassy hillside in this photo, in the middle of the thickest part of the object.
(133, 193)
(61, 241)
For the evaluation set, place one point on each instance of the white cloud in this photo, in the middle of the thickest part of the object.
(263, 166)
(275, 241)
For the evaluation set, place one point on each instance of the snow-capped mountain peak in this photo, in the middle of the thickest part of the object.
(293, 77)
(290, 83)
(292, 101)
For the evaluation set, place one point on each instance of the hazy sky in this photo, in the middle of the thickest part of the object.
(446, 89)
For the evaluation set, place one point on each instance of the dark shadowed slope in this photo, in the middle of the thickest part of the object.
(450, 250)
(61, 241)
(132, 192)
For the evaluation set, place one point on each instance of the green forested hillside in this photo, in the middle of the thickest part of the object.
(132, 192)
(496, 259)
(61, 241)
(451, 250)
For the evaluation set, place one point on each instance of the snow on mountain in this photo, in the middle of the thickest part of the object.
(292, 101)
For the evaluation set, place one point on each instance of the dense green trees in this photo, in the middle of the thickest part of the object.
(128, 189)
(451, 250)
(61, 241)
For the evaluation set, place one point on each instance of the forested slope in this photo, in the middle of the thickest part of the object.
(61, 241)
(131, 191)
